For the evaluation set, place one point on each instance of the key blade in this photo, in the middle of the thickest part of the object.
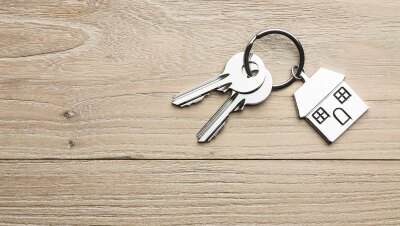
(198, 93)
(217, 121)
(193, 101)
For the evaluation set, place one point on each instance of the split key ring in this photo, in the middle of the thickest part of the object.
(294, 77)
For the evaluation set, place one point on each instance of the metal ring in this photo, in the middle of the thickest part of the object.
(293, 39)
(295, 67)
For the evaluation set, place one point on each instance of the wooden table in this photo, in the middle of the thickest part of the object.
(89, 136)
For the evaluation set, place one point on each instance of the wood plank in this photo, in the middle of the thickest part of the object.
(200, 192)
(114, 66)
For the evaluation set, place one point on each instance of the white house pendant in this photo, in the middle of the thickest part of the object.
(328, 103)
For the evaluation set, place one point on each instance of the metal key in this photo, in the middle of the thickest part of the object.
(233, 77)
(235, 103)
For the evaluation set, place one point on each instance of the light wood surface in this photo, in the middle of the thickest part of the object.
(89, 136)
(117, 64)
(200, 192)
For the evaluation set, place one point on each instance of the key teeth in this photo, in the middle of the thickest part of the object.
(193, 101)
(224, 88)
(200, 98)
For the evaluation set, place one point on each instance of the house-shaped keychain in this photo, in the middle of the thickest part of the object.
(328, 103)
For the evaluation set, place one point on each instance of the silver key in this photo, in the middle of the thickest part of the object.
(235, 103)
(233, 77)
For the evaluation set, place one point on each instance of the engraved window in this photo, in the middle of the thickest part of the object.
(342, 95)
(320, 115)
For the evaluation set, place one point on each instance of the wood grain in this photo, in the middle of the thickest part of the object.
(200, 192)
(114, 66)
(89, 136)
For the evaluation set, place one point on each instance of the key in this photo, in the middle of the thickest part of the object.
(234, 77)
(235, 103)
